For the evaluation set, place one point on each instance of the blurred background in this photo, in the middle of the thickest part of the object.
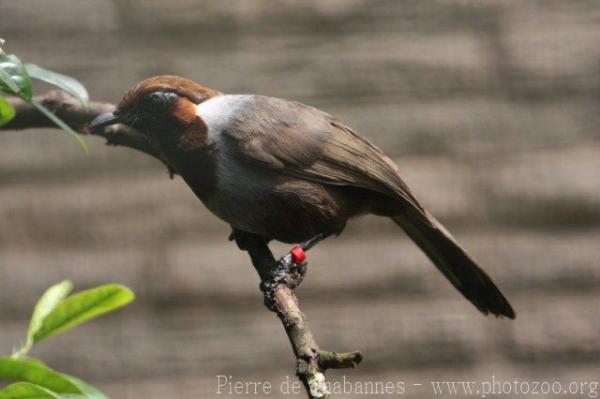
(490, 108)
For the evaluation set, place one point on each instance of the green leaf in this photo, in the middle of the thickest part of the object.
(7, 111)
(46, 304)
(25, 390)
(66, 83)
(51, 298)
(88, 391)
(60, 123)
(7, 83)
(83, 306)
(35, 372)
(14, 79)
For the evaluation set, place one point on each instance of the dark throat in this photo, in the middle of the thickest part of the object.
(188, 150)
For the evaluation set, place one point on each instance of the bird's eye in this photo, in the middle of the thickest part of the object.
(157, 102)
(154, 102)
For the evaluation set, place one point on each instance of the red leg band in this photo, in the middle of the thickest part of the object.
(298, 254)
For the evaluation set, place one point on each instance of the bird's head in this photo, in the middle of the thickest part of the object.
(157, 103)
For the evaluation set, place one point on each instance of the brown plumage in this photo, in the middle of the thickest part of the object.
(167, 83)
(287, 171)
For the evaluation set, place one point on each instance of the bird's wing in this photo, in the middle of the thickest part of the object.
(304, 142)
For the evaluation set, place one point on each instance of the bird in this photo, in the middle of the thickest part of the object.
(285, 171)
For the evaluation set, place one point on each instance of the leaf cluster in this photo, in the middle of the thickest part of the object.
(16, 80)
(55, 313)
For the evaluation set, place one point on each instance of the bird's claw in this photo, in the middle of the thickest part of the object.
(289, 270)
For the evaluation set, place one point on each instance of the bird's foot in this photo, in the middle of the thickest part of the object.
(290, 269)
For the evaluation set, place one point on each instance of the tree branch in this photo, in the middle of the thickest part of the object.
(311, 362)
(78, 117)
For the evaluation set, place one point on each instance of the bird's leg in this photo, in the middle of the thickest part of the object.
(256, 246)
(289, 269)
(294, 261)
(308, 244)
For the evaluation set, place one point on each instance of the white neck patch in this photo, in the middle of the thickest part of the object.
(217, 111)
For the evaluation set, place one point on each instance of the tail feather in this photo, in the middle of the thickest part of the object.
(452, 260)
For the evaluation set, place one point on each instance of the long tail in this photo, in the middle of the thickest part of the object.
(452, 260)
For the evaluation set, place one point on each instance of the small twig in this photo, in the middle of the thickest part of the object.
(311, 362)
(334, 360)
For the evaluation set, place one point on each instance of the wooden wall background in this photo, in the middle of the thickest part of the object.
(491, 109)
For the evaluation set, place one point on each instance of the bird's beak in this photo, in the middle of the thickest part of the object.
(103, 120)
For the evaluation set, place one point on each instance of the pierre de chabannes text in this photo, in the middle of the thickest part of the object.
(228, 385)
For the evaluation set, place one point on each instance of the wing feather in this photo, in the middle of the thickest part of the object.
(304, 142)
